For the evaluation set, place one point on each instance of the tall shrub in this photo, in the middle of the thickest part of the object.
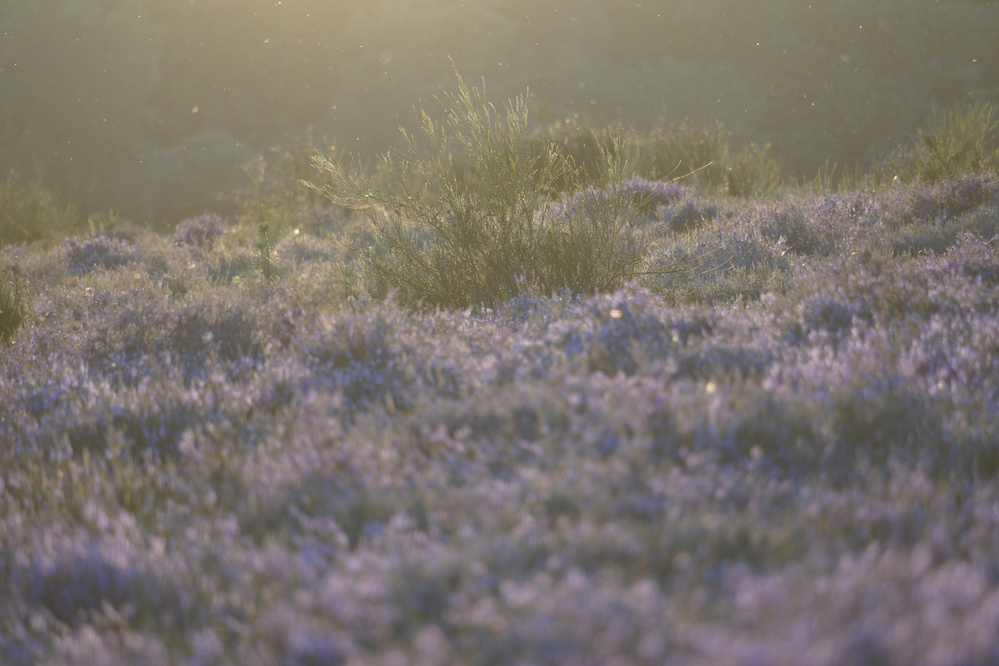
(462, 216)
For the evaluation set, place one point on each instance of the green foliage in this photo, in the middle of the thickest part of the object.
(701, 155)
(753, 172)
(462, 218)
(830, 178)
(705, 153)
(678, 149)
(263, 245)
(197, 90)
(582, 146)
(959, 141)
(273, 191)
(28, 211)
(13, 307)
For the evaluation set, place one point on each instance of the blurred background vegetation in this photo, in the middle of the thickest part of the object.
(161, 109)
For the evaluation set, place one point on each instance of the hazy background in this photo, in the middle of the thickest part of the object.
(152, 107)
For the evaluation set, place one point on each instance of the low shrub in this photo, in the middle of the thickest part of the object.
(753, 172)
(672, 150)
(960, 141)
(700, 155)
(199, 232)
(703, 156)
(720, 262)
(99, 252)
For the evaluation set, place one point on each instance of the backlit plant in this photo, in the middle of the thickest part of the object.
(13, 306)
(462, 215)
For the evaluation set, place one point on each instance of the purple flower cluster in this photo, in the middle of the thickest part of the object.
(259, 472)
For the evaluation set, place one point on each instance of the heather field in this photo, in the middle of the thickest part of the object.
(687, 353)
(220, 447)
(505, 397)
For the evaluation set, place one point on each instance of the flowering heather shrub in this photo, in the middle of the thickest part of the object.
(259, 473)
(646, 196)
(360, 357)
(199, 232)
(785, 221)
(668, 203)
(720, 262)
(299, 248)
(941, 200)
(98, 252)
(835, 297)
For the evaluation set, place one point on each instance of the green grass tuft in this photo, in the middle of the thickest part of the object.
(13, 307)
(264, 260)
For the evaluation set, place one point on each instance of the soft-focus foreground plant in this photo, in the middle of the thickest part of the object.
(959, 141)
(462, 218)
